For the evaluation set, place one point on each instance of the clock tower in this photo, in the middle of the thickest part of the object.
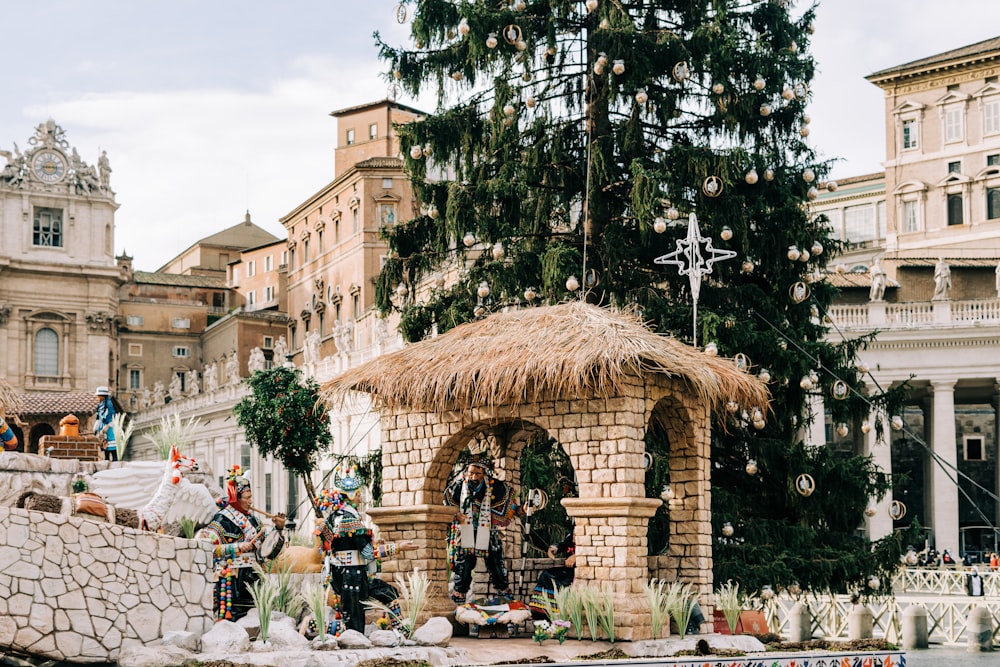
(58, 278)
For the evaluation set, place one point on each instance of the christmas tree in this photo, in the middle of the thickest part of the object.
(651, 155)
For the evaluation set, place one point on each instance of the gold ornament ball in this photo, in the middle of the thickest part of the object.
(463, 27)
(530, 102)
(726, 233)
(572, 284)
(618, 67)
(416, 152)
(751, 467)
(659, 225)
(765, 110)
(491, 41)
(758, 83)
(591, 5)
(751, 177)
(727, 529)
(718, 89)
(469, 240)
(748, 266)
(641, 97)
(483, 290)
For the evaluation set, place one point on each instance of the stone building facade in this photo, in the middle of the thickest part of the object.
(937, 203)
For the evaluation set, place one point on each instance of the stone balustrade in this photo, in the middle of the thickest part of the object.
(882, 315)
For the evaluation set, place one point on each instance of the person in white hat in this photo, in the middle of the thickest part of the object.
(102, 423)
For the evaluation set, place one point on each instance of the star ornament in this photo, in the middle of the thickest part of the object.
(695, 256)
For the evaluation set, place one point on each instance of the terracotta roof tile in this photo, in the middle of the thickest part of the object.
(57, 403)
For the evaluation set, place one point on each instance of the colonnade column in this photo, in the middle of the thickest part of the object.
(943, 490)
(880, 523)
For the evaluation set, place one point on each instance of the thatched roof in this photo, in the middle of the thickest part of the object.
(10, 402)
(564, 352)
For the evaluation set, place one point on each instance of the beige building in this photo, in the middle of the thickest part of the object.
(58, 280)
(932, 222)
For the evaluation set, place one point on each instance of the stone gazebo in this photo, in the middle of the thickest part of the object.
(593, 379)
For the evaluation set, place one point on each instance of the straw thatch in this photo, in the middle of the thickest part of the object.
(10, 402)
(574, 350)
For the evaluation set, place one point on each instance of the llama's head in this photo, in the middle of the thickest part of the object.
(180, 464)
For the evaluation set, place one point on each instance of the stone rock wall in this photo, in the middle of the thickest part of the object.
(75, 589)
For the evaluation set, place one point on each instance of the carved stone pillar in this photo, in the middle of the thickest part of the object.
(611, 546)
(427, 527)
(879, 524)
(943, 490)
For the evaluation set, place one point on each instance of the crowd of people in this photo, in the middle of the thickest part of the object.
(930, 557)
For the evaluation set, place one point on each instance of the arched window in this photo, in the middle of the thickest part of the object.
(46, 353)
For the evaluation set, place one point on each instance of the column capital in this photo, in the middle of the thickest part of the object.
(943, 385)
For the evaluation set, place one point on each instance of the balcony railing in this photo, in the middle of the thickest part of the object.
(881, 315)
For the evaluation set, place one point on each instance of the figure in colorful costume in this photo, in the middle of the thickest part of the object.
(485, 505)
(102, 423)
(7, 436)
(543, 598)
(352, 554)
(239, 543)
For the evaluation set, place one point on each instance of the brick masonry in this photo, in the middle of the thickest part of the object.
(604, 440)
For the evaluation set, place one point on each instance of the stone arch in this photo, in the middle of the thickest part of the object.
(686, 423)
(38, 431)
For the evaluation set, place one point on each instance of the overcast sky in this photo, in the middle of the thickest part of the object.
(209, 108)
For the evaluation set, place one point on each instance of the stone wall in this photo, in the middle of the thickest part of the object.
(74, 589)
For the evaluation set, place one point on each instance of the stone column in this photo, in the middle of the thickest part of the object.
(943, 492)
(426, 526)
(816, 433)
(879, 524)
(611, 546)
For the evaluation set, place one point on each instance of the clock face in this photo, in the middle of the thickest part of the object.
(49, 166)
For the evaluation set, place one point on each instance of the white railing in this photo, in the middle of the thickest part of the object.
(882, 315)
(947, 617)
(941, 581)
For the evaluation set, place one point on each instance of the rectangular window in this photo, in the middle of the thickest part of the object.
(305, 253)
(135, 320)
(350, 137)
(180, 323)
(387, 184)
(284, 257)
(268, 343)
(910, 221)
(357, 221)
(373, 131)
(268, 294)
(268, 264)
(245, 453)
(236, 275)
(953, 130)
(251, 268)
(135, 349)
(251, 297)
(909, 134)
(182, 351)
(336, 230)
(993, 160)
(134, 379)
(991, 117)
(993, 203)
(357, 306)
(859, 224)
(48, 228)
(974, 450)
(954, 210)
(955, 167)
(218, 300)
